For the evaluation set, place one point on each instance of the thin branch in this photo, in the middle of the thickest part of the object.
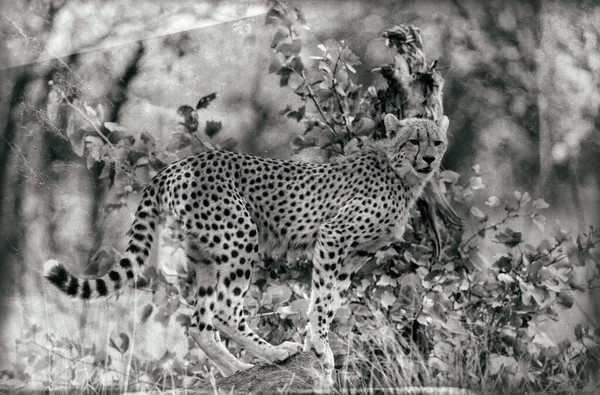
(335, 93)
(486, 228)
(86, 118)
(311, 94)
(202, 142)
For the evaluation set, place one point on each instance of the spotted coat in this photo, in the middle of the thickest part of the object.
(231, 206)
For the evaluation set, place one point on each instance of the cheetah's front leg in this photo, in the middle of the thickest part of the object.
(341, 250)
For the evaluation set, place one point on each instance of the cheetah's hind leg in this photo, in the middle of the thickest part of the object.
(202, 329)
(232, 287)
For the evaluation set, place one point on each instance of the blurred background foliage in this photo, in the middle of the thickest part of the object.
(522, 92)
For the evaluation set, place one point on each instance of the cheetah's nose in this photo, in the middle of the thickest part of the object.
(429, 159)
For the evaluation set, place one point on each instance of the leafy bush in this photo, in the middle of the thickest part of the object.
(415, 316)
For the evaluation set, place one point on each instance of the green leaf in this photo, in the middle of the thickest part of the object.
(205, 101)
(184, 320)
(324, 95)
(285, 73)
(281, 34)
(351, 147)
(279, 294)
(539, 221)
(476, 183)
(160, 296)
(124, 342)
(296, 65)
(162, 316)
(114, 127)
(172, 305)
(75, 137)
(146, 312)
(432, 275)
(349, 57)
(102, 358)
(295, 81)
(493, 201)
(387, 299)
(509, 238)
(229, 144)
(289, 49)
(386, 280)
(525, 199)
(449, 176)
(277, 62)
(543, 341)
(363, 127)
(52, 105)
(565, 299)
(178, 142)
(502, 363)
(540, 204)
(505, 278)
(504, 263)
(212, 128)
(300, 306)
(477, 213)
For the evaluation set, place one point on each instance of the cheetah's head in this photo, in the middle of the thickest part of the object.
(416, 146)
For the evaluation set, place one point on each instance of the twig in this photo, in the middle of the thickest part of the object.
(202, 142)
(486, 228)
(311, 94)
(335, 93)
(87, 119)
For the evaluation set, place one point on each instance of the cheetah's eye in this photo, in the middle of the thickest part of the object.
(437, 143)
(414, 141)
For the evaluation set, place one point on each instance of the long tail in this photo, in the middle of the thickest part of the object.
(143, 231)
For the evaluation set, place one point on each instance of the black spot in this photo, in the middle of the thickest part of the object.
(129, 274)
(133, 249)
(86, 290)
(101, 287)
(125, 263)
(139, 227)
(237, 291)
(73, 287)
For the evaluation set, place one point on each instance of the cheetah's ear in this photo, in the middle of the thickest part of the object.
(392, 125)
(442, 123)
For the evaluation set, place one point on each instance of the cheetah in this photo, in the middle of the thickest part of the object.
(232, 206)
